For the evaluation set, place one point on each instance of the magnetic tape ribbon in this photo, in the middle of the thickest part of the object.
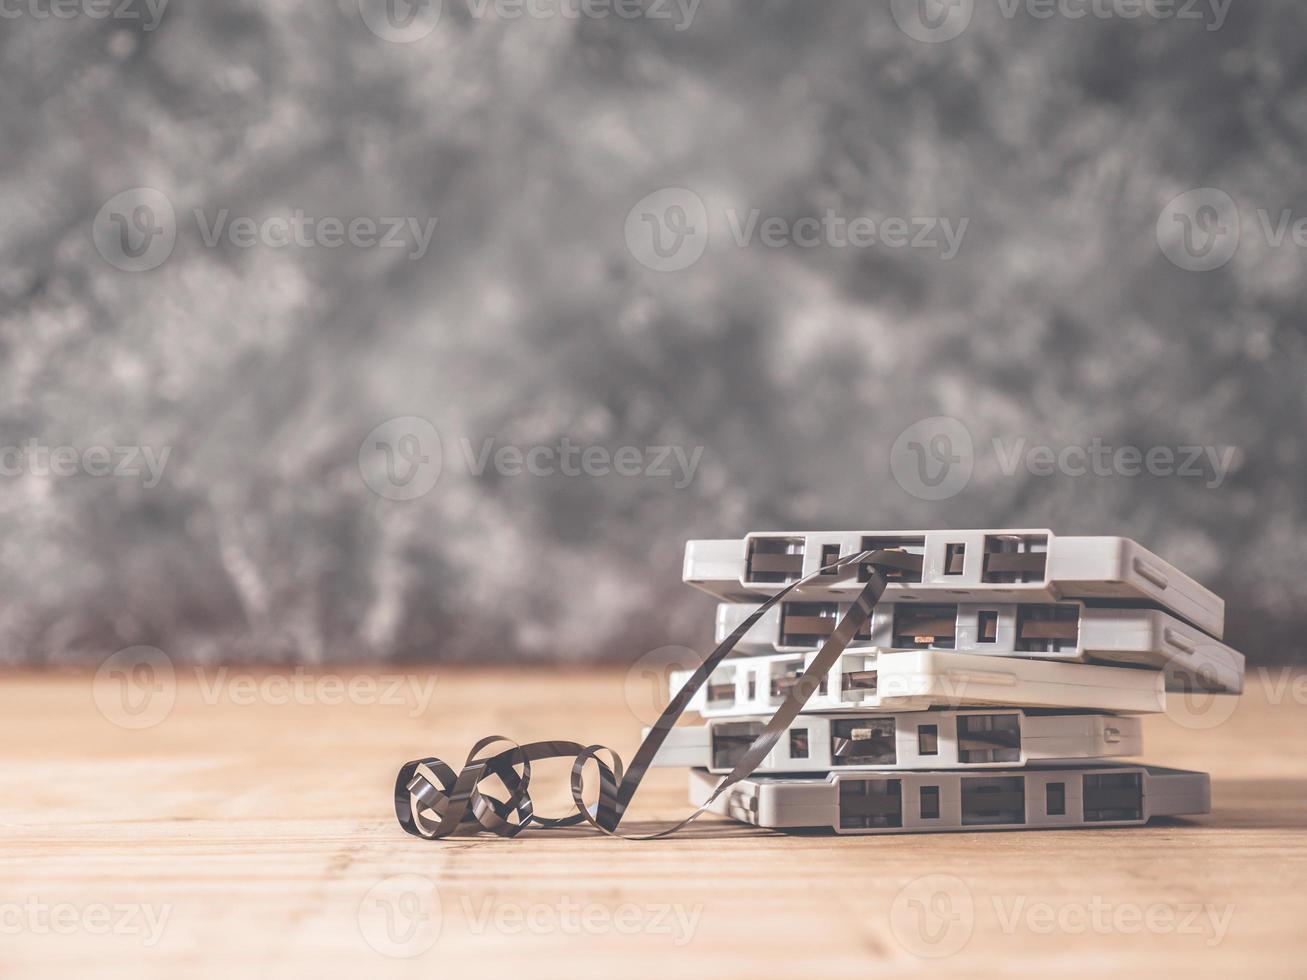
(433, 801)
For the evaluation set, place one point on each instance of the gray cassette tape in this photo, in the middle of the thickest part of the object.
(914, 740)
(1067, 631)
(912, 680)
(957, 566)
(925, 802)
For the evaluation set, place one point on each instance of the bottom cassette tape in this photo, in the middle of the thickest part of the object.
(997, 738)
(926, 802)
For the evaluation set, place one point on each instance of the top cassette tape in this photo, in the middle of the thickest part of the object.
(1019, 566)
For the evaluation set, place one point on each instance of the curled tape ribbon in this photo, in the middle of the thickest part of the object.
(433, 801)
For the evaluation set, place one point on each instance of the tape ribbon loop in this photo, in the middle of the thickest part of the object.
(432, 801)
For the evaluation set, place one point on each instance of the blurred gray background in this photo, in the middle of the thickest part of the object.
(288, 518)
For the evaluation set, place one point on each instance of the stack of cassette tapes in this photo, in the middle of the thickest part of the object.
(994, 678)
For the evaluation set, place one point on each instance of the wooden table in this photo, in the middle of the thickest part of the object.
(249, 831)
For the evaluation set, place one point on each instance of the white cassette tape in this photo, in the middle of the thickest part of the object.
(924, 802)
(957, 566)
(1065, 631)
(999, 738)
(913, 680)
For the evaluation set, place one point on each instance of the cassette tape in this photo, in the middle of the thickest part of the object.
(913, 740)
(957, 566)
(915, 680)
(1064, 631)
(925, 802)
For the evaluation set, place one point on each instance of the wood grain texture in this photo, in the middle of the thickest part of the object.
(255, 833)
